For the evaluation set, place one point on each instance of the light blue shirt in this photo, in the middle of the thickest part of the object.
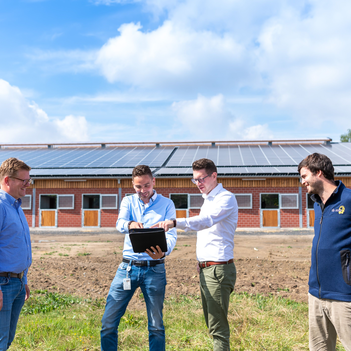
(15, 245)
(158, 209)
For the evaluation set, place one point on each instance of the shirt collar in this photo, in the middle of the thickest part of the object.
(10, 199)
(316, 197)
(152, 199)
(214, 191)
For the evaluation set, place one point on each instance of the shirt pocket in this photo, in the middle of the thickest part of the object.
(345, 256)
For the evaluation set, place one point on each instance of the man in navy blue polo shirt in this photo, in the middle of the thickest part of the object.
(15, 247)
(329, 299)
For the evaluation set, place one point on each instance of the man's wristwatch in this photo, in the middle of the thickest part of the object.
(129, 223)
(174, 222)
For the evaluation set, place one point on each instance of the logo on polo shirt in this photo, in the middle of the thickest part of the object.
(340, 210)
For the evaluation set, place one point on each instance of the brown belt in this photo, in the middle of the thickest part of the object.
(12, 275)
(205, 264)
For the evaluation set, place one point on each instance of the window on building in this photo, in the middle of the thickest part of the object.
(289, 201)
(195, 201)
(180, 200)
(26, 202)
(244, 200)
(270, 201)
(310, 202)
(48, 202)
(91, 202)
(109, 201)
(65, 202)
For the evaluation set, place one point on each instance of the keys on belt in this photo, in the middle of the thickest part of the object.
(12, 275)
(204, 264)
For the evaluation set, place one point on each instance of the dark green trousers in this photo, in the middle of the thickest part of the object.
(216, 284)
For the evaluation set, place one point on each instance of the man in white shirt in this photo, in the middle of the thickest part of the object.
(215, 226)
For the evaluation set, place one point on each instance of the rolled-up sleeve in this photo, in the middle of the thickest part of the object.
(171, 235)
(220, 210)
(124, 216)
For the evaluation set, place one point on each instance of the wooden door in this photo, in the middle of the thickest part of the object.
(311, 218)
(181, 213)
(270, 218)
(48, 218)
(91, 218)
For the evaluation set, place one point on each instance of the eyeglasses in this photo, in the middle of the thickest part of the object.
(25, 181)
(200, 180)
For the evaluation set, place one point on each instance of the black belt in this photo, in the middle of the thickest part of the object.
(143, 263)
(12, 275)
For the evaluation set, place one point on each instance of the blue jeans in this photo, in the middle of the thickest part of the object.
(152, 281)
(13, 299)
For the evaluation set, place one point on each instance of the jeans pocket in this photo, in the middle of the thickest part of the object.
(4, 281)
(345, 265)
(159, 268)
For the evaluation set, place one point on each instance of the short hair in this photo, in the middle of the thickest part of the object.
(206, 164)
(141, 170)
(11, 166)
(318, 162)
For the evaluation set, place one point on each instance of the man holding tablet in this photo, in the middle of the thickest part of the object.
(145, 270)
(215, 226)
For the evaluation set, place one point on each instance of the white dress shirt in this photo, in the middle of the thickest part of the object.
(215, 225)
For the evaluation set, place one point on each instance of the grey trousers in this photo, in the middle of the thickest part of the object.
(327, 320)
(216, 284)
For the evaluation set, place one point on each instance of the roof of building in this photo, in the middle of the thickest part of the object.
(255, 158)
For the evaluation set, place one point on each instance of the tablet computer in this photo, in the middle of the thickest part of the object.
(144, 238)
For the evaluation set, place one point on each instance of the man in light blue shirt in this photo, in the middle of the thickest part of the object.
(15, 247)
(144, 270)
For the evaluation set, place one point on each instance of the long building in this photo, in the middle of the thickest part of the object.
(82, 185)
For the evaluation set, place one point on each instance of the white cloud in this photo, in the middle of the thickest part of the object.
(293, 56)
(210, 118)
(256, 132)
(306, 60)
(24, 122)
(173, 58)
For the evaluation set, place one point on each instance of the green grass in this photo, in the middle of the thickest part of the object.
(51, 321)
(50, 253)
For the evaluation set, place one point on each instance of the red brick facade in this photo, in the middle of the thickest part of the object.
(249, 218)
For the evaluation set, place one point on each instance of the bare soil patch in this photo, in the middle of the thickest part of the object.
(85, 265)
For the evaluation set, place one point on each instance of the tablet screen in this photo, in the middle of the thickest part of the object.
(144, 238)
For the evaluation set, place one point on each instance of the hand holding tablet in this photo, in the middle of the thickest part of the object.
(147, 240)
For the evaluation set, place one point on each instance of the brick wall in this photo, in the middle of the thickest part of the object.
(249, 218)
(73, 218)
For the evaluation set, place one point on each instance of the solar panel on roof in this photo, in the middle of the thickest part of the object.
(256, 158)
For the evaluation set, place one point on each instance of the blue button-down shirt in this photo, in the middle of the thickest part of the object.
(15, 245)
(158, 209)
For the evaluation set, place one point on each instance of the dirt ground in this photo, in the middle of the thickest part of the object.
(85, 264)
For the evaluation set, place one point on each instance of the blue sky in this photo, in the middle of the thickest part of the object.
(159, 70)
